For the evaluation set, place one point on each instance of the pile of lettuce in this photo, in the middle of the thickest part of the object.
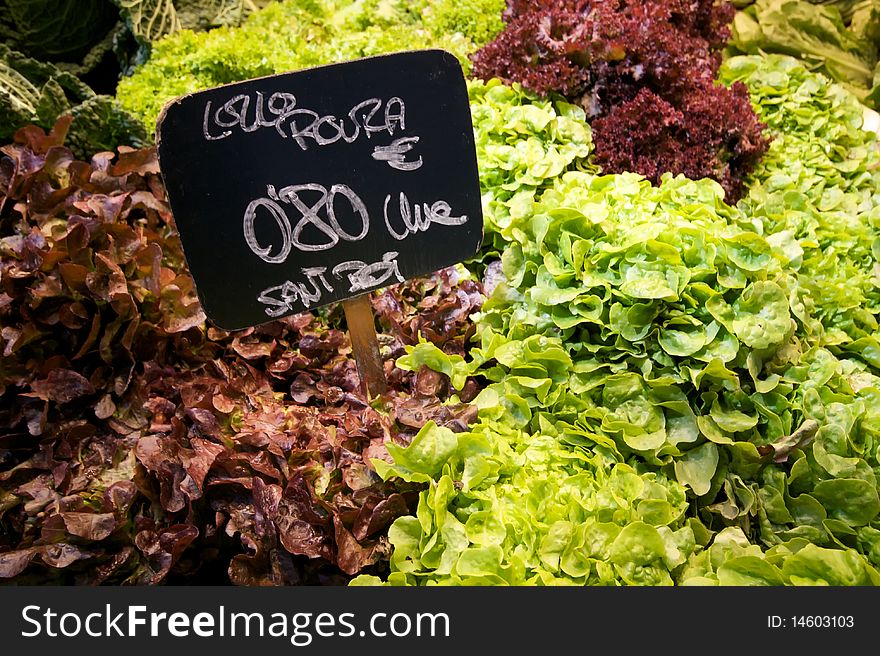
(523, 142)
(291, 35)
(840, 38)
(817, 194)
(634, 383)
(680, 391)
(645, 73)
(139, 445)
(507, 507)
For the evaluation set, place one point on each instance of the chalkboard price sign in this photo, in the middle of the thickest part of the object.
(296, 190)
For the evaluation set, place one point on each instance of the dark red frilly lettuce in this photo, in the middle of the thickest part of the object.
(139, 445)
(617, 58)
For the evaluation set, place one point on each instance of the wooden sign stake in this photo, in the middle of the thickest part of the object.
(362, 330)
(313, 223)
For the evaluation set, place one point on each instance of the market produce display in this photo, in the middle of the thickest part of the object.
(838, 38)
(145, 436)
(659, 370)
(672, 343)
(644, 71)
(65, 57)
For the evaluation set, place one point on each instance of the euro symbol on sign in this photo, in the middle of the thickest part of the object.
(395, 153)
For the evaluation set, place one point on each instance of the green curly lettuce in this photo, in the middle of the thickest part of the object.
(729, 352)
(507, 508)
(292, 35)
(478, 20)
(523, 142)
(817, 194)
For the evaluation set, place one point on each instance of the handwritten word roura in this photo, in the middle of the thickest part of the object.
(281, 112)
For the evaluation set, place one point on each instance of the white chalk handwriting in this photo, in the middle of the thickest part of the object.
(395, 153)
(326, 223)
(317, 226)
(363, 276)
(290, 293)
(290, 296)
(282, 112)
(420, 217)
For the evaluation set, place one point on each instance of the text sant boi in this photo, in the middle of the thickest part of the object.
(295, 208)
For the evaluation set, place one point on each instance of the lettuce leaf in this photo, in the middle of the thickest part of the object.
(817, 34)
(285, 36)
(653, 338)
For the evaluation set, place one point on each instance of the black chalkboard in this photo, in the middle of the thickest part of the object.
(296, 190)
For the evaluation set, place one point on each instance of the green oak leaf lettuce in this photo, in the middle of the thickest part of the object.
(504, 507)
(678, 390)
(292, 35)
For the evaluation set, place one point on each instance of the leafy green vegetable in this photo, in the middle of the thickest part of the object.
(846, 7)
(816, 193)
(729, 354)
(38, 92)
(32, 91)
(56, 31)
(478, 20)
(816, 33)
(291, 35)
(150, 20)
(731, 560)
(504, 507)
(100, 123)
(523, 143)
(864, 21)
(762, 316)
(48, 43)
(697, 467)
(429, 355)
